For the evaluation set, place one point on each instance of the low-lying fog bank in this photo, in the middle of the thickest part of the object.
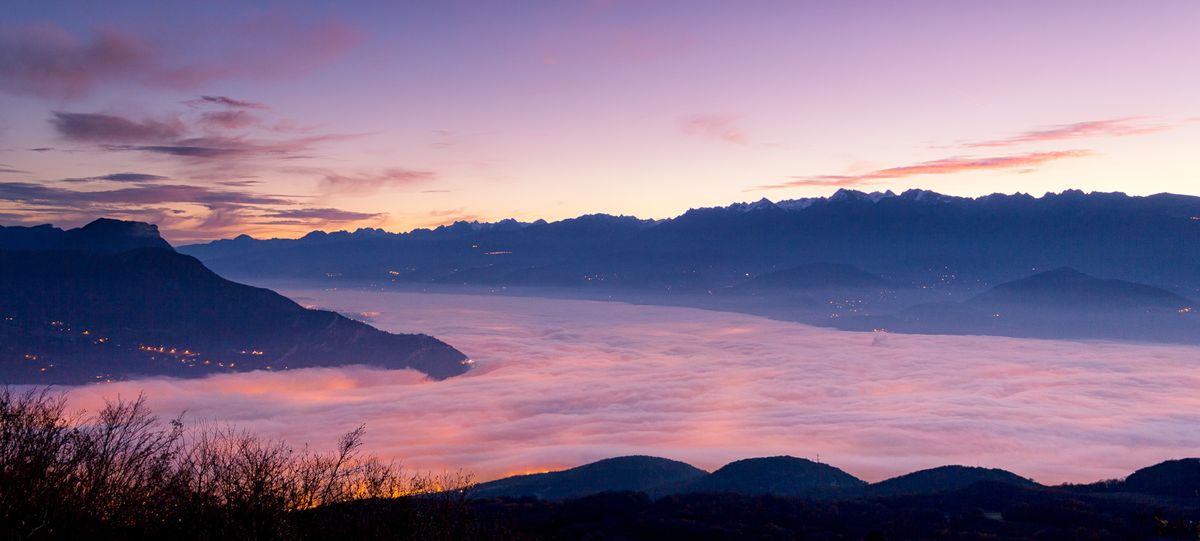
(559, 383)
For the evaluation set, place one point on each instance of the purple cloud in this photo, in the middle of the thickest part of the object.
(368, 182)
(120, 177)
(229, 120)
(226, 101)
(715, 126)
(101, 128)
(31, 193)
(45, 60)
(5, 168)
(321, 214)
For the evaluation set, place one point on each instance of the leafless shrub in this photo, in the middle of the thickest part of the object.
(124, 472)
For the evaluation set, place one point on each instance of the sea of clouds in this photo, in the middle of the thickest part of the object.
(559, 383)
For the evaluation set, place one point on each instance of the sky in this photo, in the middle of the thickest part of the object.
(560, 383)
(276, 118)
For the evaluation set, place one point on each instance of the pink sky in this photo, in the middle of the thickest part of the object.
(273, 119)
(560, 383)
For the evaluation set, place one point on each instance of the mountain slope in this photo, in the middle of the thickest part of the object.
(778, 475)
(89, 308)
(943, 479)
(632, 473)
(1061, 303)
(1066, 288)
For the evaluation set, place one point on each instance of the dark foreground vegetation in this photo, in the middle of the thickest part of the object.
(124, 474)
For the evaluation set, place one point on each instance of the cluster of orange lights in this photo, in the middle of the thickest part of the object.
(169, 351)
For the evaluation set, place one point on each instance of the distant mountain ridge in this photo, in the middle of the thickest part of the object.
(917, 236)
(112, 300)
(854, 260)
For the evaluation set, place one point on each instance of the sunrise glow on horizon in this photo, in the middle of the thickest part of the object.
(416, 114)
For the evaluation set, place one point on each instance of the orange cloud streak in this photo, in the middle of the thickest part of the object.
(1115, 127)
(943, 166)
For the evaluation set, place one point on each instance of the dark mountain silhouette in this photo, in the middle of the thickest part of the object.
(786, 476)
(916, 237)
(102, 236)
(943, 479)
(113, 299)
(1172, 478)
(818, 276)
(780, 475)
(632, 473)
(1177, 478)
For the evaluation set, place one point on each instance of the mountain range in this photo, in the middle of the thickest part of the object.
(113, 300)
(788, 476)
(1065, 265)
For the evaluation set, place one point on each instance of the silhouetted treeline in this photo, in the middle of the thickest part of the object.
(125, 474)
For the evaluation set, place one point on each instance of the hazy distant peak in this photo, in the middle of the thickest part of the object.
(761, 204)
(798, 204)
(846, 194)
(925, 196)
(1064, 287)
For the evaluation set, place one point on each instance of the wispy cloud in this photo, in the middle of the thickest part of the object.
(46, 60)
(321, 214)
(102, 128)
(370, 182)
(1113, 127)
(5, 168)
(229, 120)
(120, 177)
(32, 193)
(945, 166)
(227, 101)
(721, 127)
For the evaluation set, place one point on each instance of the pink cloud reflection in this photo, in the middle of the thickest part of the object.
(560, 383)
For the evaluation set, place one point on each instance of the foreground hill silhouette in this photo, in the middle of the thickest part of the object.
(780, 475)
(792, 498)
(114, 300)
(817, 260)
(944, 479)
(628, 473)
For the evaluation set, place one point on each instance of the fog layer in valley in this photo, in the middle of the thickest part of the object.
(559, 383)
